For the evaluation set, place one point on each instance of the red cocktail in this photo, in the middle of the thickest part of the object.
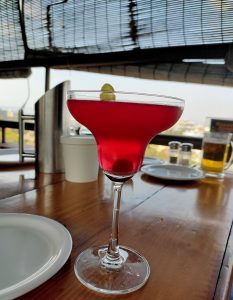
(122, 129)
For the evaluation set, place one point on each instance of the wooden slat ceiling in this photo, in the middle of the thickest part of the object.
(108, 32)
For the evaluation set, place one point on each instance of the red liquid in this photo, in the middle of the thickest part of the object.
(123, 130)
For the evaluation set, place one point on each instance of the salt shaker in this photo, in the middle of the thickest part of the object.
(174, 150)
(185, 154)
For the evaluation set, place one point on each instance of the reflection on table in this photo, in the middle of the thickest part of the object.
(182, 228)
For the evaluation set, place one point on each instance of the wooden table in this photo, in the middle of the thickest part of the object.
(183, 229)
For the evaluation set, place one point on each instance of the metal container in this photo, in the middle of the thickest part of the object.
(52, 121)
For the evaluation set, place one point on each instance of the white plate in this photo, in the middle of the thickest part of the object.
(32, 249)
(172, 172)
(148, 160)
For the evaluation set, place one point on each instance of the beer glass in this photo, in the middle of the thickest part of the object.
(215, 149)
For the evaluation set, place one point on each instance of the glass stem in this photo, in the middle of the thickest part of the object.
(113, 248)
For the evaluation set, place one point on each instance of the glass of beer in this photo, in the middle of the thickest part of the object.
(215, 147)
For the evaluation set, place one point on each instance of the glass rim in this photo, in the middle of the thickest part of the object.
(160, 97)
(217, 134)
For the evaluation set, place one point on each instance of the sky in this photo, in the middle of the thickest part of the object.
(201, 101)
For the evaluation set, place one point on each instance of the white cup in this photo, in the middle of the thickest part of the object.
(80, 158)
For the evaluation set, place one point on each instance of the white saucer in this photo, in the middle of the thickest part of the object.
(149, 160)
(172, 172)
(32, 249)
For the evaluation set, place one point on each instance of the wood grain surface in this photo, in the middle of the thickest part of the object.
(183, 229)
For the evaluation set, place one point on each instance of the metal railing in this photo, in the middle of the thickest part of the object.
(161, 139)
(164, 139)
(22, 121)
(13, 125)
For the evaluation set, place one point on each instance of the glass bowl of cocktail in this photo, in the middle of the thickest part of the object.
(123, 123)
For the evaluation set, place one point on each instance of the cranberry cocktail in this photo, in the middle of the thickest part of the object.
(123, 124)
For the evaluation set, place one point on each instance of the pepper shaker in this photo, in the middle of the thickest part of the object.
(174, 149)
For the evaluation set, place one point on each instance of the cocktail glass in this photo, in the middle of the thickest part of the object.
(122, 129)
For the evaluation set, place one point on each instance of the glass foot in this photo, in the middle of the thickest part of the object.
(214, 175)
(130, 274)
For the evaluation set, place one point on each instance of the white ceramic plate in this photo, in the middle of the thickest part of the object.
(32, 249)
(172, 172)
(148, 160)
